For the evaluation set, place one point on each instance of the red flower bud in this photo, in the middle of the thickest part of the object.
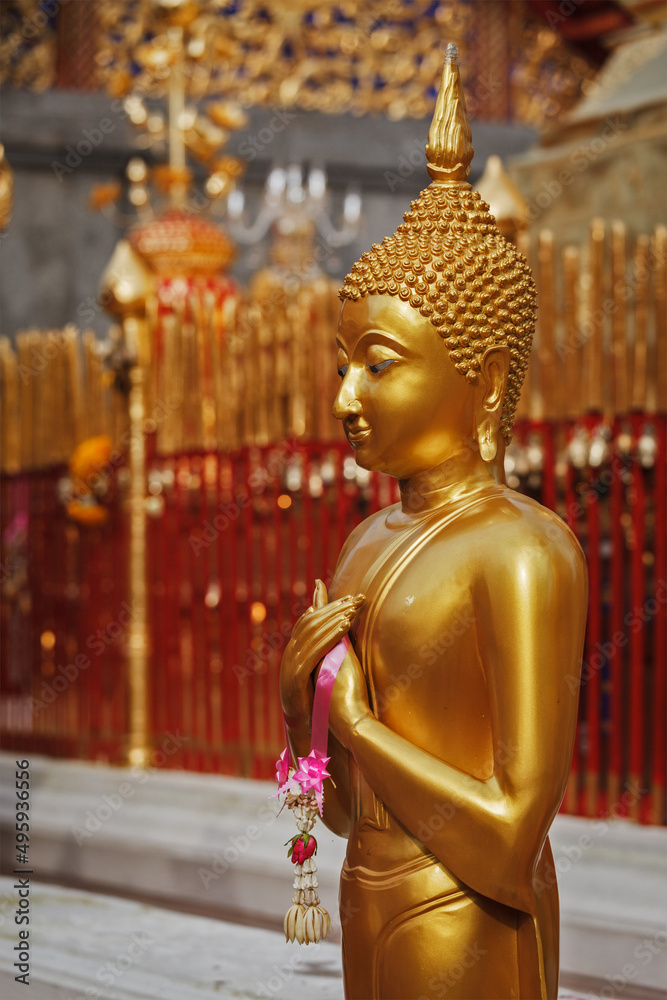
(309, 848)
(301, 851)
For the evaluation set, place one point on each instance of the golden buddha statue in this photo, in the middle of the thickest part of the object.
(451, 722)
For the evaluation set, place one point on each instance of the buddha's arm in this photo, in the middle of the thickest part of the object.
(531, 610)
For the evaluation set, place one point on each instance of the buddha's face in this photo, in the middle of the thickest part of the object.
(404, 406)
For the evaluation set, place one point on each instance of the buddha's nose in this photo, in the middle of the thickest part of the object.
(346, 404)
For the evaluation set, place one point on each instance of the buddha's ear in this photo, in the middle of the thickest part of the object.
(493, 372)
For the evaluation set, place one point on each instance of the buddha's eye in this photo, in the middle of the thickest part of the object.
(342, 371)
(380, 367)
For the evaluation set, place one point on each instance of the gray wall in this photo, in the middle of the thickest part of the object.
(55, 249)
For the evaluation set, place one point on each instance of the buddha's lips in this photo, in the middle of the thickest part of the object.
(356, 432)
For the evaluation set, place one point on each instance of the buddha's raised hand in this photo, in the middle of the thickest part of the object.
(315, 633)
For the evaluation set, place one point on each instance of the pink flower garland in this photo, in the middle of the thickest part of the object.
(307, 920)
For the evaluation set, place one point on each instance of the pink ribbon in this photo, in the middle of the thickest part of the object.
(283, 765)
(331, 664)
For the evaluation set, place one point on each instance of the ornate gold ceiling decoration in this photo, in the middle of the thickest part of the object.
(371, 57)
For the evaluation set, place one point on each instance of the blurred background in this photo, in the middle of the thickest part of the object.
(183, 185)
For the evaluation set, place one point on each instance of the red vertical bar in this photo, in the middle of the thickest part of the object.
(238, 647)
(616, 626)
(168, 667)
(116, 537)
(248, 756)
(296, 516)
(276, 727)
(263, 539)
(637, 599)
(593, 684)
(659, 692)
(111, 607)
(375, 492)
(571, 502)
(8, 570)
(549, 494)
(572, 511)
(327, 558)
(227, 676)
(339, 486)
(31, 621)
(78, 690)
(52, 593)
(85, 697)
(92, 584)
(204, 704)
(233, 665)
(193, 609)
(156, 571)
(307, 531)
(179, 525)
(45, 583)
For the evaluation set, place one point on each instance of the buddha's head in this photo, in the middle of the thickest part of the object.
(437, 320)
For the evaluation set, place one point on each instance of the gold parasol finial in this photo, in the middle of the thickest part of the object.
(449, 150)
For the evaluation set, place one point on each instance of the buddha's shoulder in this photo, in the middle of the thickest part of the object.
(508, 528)
(504, 529)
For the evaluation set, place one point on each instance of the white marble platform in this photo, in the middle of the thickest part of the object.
(88, 946)
(214, 846)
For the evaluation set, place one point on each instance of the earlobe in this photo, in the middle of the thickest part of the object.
(487, 439)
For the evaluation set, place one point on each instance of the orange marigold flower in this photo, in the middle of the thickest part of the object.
(92, 514)
(90, 458)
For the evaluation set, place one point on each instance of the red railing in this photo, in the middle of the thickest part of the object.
(64, 611)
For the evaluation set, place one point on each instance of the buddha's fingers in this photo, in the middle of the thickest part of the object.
(315, 633)
(324, 640)
(315, 618)
(320, 596)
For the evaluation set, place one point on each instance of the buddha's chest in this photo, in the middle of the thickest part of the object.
(416, 638)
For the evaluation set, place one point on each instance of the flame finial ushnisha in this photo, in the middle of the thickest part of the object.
(449, 150)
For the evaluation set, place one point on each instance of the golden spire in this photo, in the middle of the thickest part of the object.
(449, 149)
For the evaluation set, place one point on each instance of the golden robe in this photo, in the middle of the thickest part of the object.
(447, 888)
